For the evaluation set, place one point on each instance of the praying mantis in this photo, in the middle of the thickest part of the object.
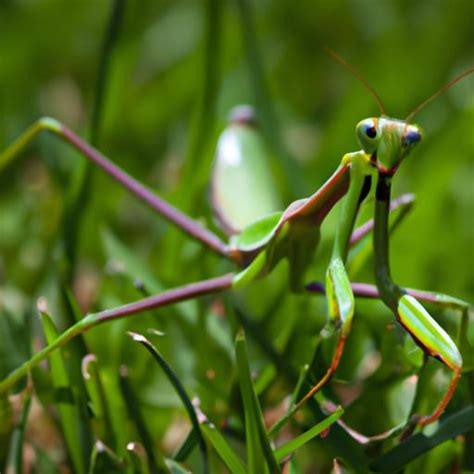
(260, 236)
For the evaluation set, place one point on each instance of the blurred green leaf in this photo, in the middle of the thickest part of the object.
(449, 427)
(104, 460)
(64, 394)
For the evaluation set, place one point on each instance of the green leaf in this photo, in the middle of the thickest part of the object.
(16, 445)
(98, 405)
(302, 439)
(176, 468)
(178, 386)
(15, 346)
(6, 427)
(65, 399)
(136, 457)
(157, 463)
(104, 460)
(223, 449)
(260, 457)
(418, 444)
(133, 266)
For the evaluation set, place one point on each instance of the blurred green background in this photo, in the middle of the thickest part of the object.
(175, 71)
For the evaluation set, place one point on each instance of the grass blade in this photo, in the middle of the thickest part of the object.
(418, 444)
(6, 427)
(301, 440)
(187, 447)
(104, 460)
(157, 464)
(260, 456)
(16, 446)
(137, 462)
(101, 420)
(223, 449)
(68, 409)
(175, 382)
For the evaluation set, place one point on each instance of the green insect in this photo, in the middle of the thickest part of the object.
(260, 235)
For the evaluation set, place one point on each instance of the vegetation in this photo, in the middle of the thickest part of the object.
(150, 84)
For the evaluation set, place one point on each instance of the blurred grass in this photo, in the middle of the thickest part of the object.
(177, 69)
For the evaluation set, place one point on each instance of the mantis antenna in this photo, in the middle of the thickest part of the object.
(359, 76)
(439, 92)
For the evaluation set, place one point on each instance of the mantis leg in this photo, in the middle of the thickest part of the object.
(339, 292)
(188, 225)
(426, 332)
(365, 290)
(166, 298)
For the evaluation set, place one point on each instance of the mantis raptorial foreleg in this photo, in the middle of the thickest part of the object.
(338, 288)
(426, 332)
(188, 225)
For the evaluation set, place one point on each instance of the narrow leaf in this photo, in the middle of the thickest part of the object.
(104, 460)
(157, 463)
(418, 444)
(16, 446)
(223, 449)
(137, 460)
(301, 440)
(68, 409)
(178, 386)
(260, 456)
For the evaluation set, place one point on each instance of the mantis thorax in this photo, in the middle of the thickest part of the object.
(387, 140)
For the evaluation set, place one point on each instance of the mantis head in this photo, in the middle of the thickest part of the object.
(387, 141)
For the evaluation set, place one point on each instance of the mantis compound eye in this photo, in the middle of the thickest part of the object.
(368, 127)
(411, 135)
(368, 134)
(371, 131)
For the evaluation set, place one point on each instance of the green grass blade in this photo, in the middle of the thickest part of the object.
(301, 440)
(177, 385)
(223, 449)
(279, 424)
(260, 456)
(104, 460)
(44, 463)
(136, 459)
(16, 446)
(187, 447)
(15, 342)
(134, 266)
(177, 468)
(68, 410)
(101, 421)
(157, 463)
(418, 444)
(6, 427)
(79, 194)
(339, 442)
